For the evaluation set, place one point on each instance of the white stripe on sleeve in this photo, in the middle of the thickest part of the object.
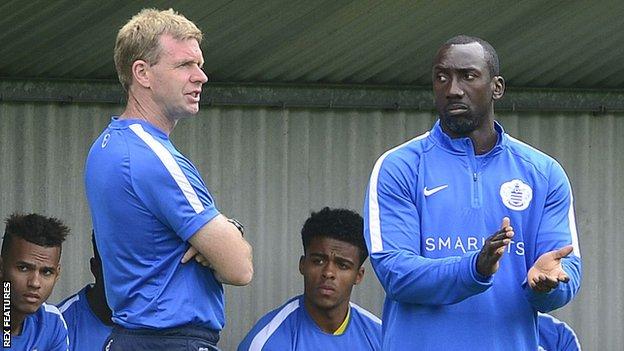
(68, 303)
(172, 166)
(53, 309)
(265, 333)
(374, 222)
(366, 313)
(572, 222)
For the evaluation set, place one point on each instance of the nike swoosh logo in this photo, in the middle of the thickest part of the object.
(429, 192)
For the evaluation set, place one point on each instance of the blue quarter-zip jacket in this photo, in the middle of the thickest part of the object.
(430, 205)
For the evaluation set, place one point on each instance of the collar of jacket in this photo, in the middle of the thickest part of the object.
(463, 146)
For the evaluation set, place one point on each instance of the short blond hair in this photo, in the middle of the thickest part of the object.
(139, 39)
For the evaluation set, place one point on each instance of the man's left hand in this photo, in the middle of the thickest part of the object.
(547, 271)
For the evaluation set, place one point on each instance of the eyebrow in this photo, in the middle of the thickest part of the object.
(344, 260)
(190, 60)
(339, 259)
(462, 69)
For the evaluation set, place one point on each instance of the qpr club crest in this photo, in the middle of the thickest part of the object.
(516, 195)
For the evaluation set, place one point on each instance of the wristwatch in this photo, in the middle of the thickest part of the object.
(238, 225)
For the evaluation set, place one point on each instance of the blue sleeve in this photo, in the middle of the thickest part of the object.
(371, 327)
(60, 339)
(274, 331)
(245, 344)
(172, 190)
(70, 321)
(558, 229)
(556, 335)
(392, 233)
(567, 339)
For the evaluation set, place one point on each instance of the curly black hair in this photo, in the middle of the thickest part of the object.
(491, 57)
(340, 224)
(34, 228)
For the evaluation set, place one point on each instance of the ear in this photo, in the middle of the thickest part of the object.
(359, 276)
(498, 87)
(58, 273)
(301, 259)
(140, 71)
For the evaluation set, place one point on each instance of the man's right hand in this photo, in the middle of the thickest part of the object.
(493, 249)
(220, 246)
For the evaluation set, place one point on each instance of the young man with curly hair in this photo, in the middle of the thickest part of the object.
(323, 318)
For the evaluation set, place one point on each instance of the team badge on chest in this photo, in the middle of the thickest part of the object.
(516, 195)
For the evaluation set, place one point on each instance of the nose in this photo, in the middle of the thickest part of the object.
(199, 76)
(329, 271)
(34, 281)
(454, 89)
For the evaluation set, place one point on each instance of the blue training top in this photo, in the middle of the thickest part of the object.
(430, 205)
(86, 330)
(43, 330)
(290, 327)
(146, 201)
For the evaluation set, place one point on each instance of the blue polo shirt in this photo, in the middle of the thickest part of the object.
(44, 330)
(290, 327)
(146, 201)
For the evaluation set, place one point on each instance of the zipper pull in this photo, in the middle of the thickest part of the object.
(474, 176)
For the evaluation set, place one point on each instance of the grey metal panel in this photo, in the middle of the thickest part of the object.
(270, 167)
(317, 96)
(43, 148)
(555, 43)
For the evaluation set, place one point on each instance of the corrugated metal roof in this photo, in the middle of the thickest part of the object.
(561, 44)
